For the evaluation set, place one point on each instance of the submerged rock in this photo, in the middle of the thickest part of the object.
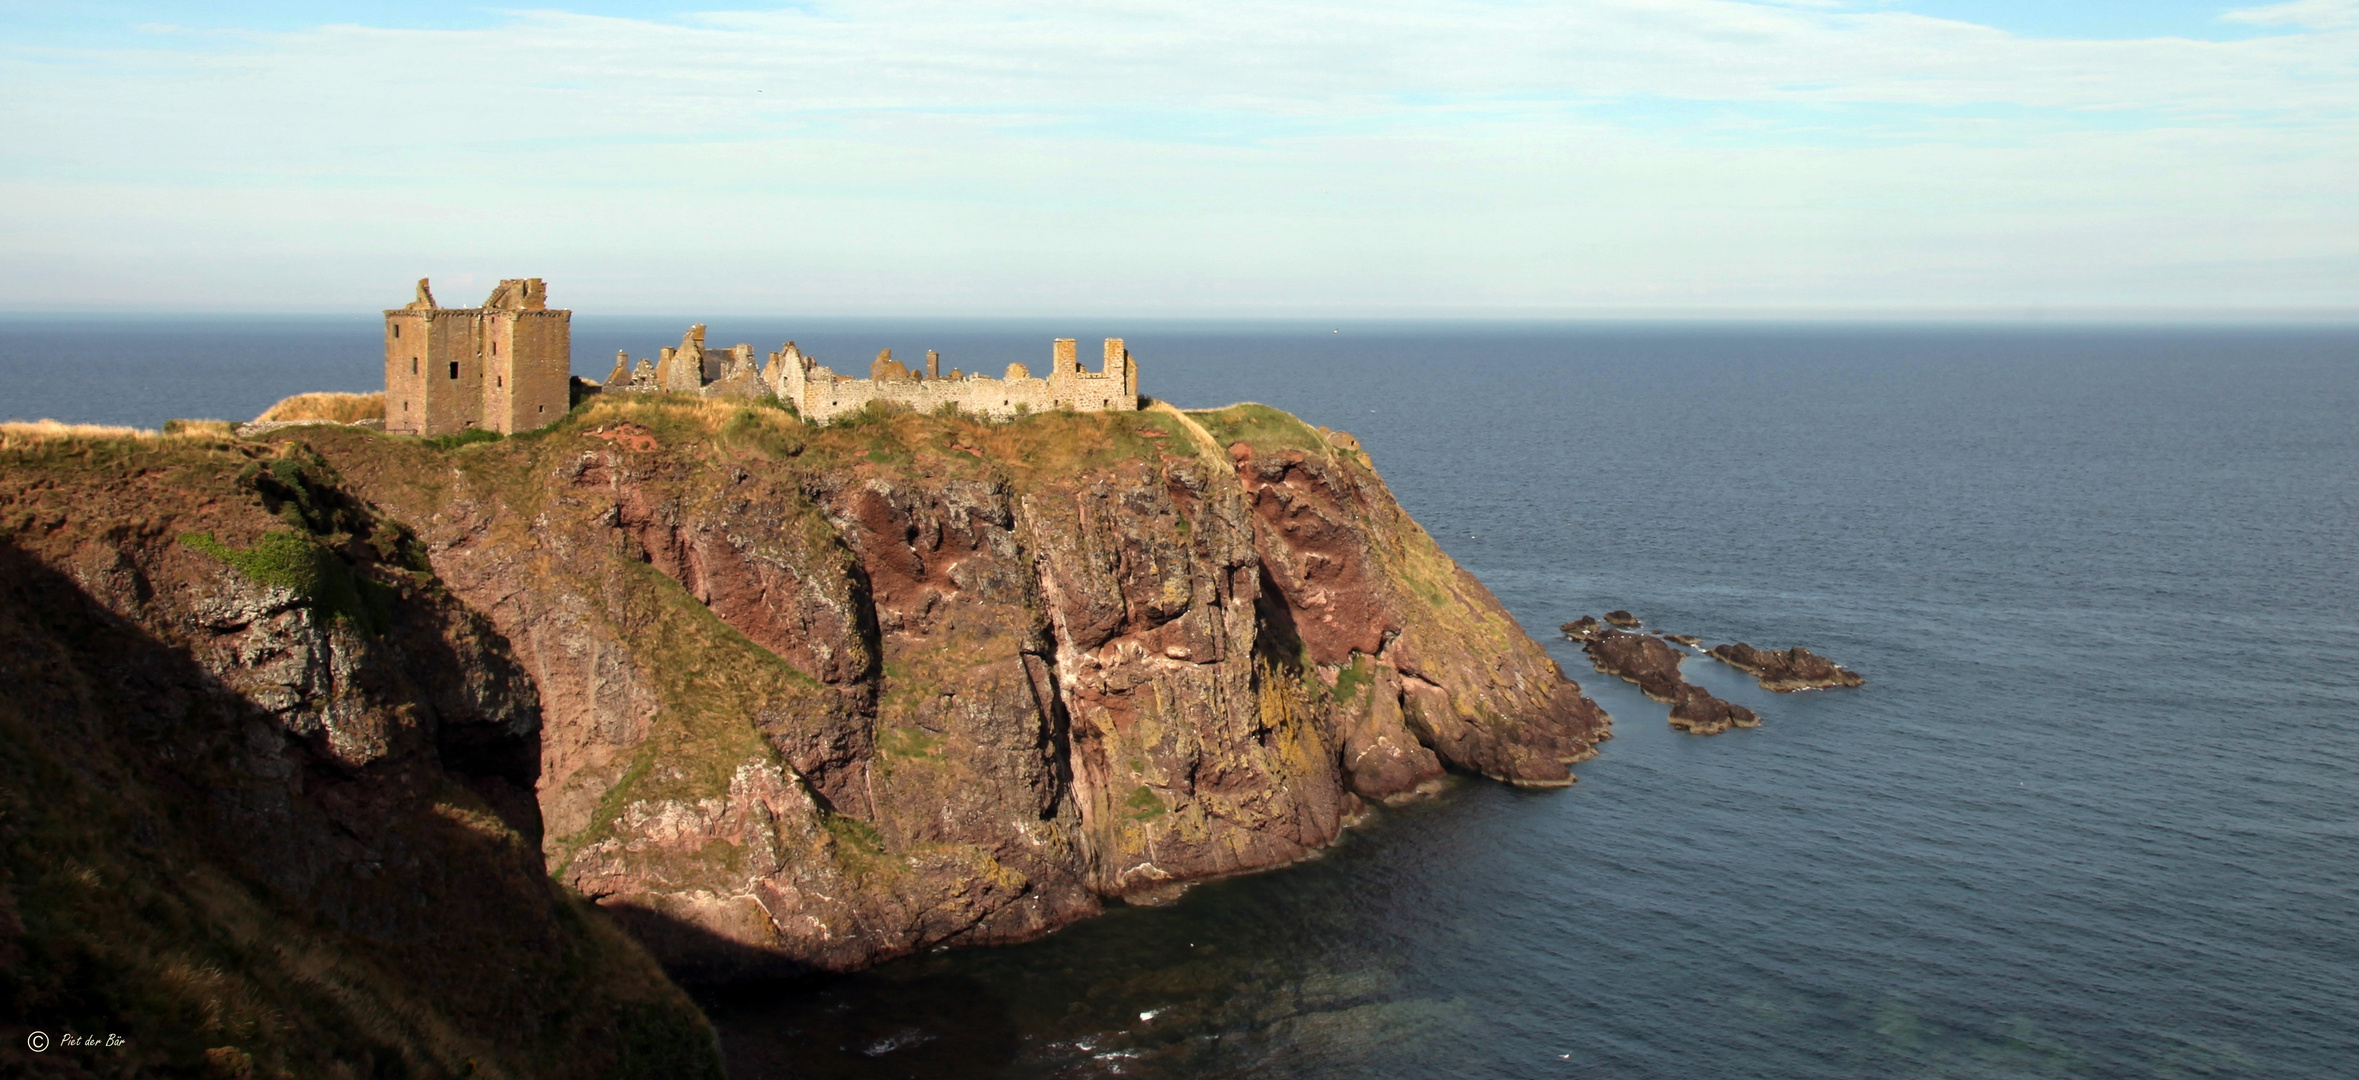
(1787, 671)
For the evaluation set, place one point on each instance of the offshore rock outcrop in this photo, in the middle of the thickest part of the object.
(814, 697)
(1788, 670)
(1697, 712)
(1639, 659)
(266, 793)
(1650, 663)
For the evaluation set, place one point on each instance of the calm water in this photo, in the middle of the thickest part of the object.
(2095, 815)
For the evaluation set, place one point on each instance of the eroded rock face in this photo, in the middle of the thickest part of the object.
(817, 697)
(1787, 671)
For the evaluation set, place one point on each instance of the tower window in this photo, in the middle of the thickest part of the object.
(397, 331)
(454, 369)
(413, 365)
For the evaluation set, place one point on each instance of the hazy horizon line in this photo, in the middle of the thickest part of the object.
(1727, 316)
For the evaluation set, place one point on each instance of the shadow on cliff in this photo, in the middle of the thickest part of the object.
(156, 822)
(826, 1026)
(862, 1026)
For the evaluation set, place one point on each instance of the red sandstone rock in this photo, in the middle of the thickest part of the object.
(822, 711)
(1793, 669)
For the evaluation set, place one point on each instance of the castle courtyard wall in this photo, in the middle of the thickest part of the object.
(818, 393)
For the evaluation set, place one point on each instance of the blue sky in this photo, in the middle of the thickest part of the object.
(1903, 158)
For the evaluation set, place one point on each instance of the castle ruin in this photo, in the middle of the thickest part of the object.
(818, 393)
(506, 366)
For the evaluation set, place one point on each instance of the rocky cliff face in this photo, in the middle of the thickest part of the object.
(267, 794)
(813, 697)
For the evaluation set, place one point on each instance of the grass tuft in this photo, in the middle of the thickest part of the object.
(458, 439)
(292, 560)
(333, 408)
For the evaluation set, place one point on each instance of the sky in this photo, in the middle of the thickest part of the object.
(2163, 159)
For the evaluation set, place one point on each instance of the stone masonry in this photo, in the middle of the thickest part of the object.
(505, 367)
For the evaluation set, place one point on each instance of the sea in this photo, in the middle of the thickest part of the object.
(2094, 814)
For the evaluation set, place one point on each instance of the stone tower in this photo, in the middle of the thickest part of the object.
(503, 367)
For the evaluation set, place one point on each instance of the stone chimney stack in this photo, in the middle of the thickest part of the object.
(1114, 355)
(1064, 359)
(933, 364)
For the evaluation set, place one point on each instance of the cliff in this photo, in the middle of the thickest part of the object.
(813, 697)
(266, 793)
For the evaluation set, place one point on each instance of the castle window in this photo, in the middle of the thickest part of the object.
(454, 369)
(495, 347)
(500, 381)
(397, 331)
(413, 365)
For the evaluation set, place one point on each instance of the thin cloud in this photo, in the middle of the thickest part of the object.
(1390, 155)
(2323, 14)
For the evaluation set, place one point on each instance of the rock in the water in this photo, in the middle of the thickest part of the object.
(1793, 669)
(1689, 640)
(1623, 619)
(1585, 628)
(1699, 713)
(1636, 658)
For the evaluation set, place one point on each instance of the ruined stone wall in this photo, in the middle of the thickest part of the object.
(818, 393)
(827, 394)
